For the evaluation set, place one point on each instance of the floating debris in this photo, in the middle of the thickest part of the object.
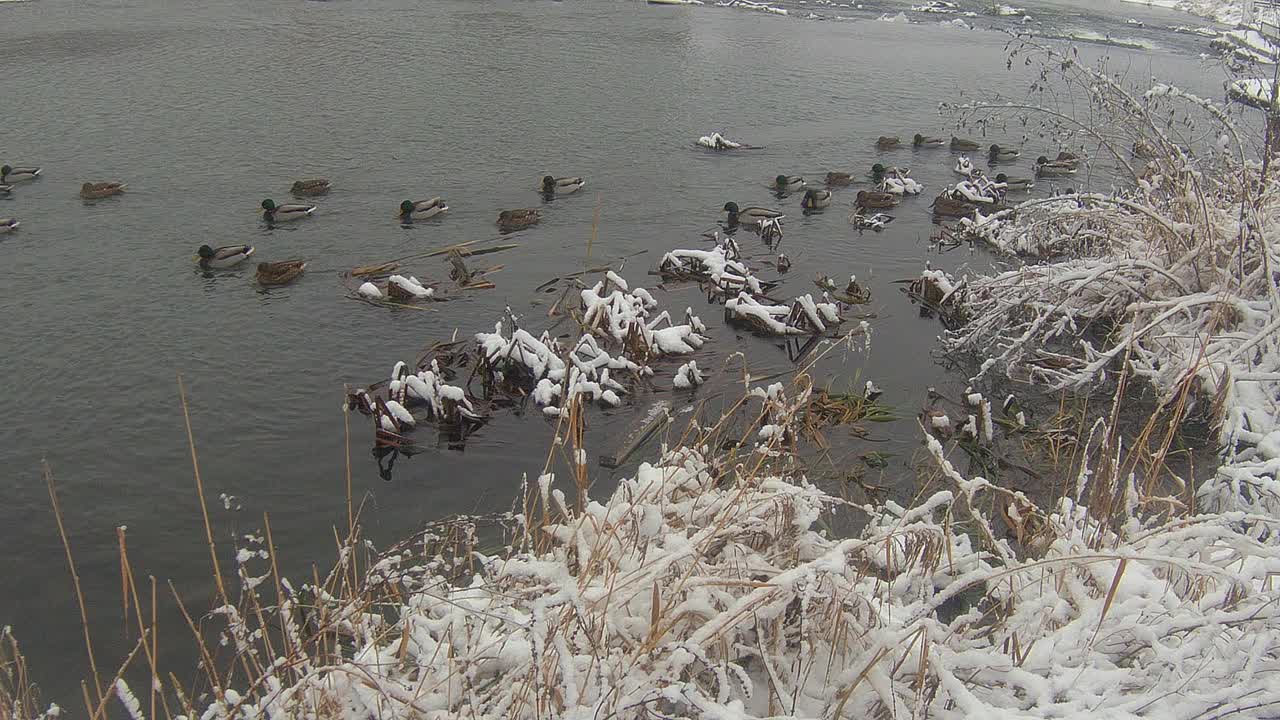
(803, 317)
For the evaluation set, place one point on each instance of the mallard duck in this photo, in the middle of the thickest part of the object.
(10, 174)
(922, 141)
(815, 199)
(422, 209)
(280, 273)
(964, 144)
(964, 166)
(281, 213)
(1000, 154)
(518, 219)
(839, 179)
(94, 191)
(1053, 168)
(878, 171)
(875, 199)
(1011, 183)
(223, 257)
(561, 186)
(788, 183)
(885, 142)
(750, 214)
(947, 205)
(315, 186)
(7, 224)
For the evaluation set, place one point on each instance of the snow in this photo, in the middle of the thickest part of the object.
(688, 376)
(409, 285)
(370, 291)
(716, 141)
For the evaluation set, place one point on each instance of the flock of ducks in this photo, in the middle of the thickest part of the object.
(974, 192)
(286, 271)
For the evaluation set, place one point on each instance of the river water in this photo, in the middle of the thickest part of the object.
(205, 108)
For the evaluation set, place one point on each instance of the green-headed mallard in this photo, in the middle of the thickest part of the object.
(922, 141)
(749, 215)
(422, 209)
(875, 199)
(878, 171)
(280, 273)
(223, 257)
(1013, 183)
(1002, 154)
(1054, 168)
(94, 191)
(788, 183)
(815, 199)
(884, 142)
(518, 219)
(271, 212)
(7, 224)
(839, 179)
(551, 185)
(10, 174)
(306, 188)
(964, 145)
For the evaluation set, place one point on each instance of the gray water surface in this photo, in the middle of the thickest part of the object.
(205, 108)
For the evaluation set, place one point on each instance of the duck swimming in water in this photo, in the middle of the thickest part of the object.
(422, 209)
(963, 144)
(999, 154)
(885, 142)
(280, 273)
(10, 174)
(815, 199)
(875, 199)
(315, 186)
(98, 190)
(223, 257)
(1054, 168)
(750, 215)
(518, 219)
(1013, 183)
(550, 185)
(788, 183)
(281, 213)
(839, 179)
(8, 224)
(922, 141)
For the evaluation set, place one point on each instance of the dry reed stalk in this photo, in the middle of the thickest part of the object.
(204, 510)
(75, 580)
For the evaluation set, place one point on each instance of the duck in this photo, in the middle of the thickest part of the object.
(922, 141)
(223, 257)
(949, 206)
(783, 263)
(6, 189)
(788, 183)
(1053, 168)
(885, 142)
(839, 179)
(1013, 183)
(94, 191)
(315, 186)
(749, 215)
(964, 144)
(8, 224)
(875, 199)
(815, 199)
(280, 213)
(280, 273)
(422, 209)
(901, 185)
(964, 166)
(10, 174)
(560, 186)
(518, 219)
(878, 171)
(1067, 157)
(875, 221)
(999, 154)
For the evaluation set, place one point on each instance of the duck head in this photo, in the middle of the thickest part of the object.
(918, 139)
(1001, 177)
(5, 170)
(731, 208)
(548, 183)
(85, 188)
(406, 207)
(297, 186)
(269, 205)
(780, 181)
(878, 169)
(1042, 160)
